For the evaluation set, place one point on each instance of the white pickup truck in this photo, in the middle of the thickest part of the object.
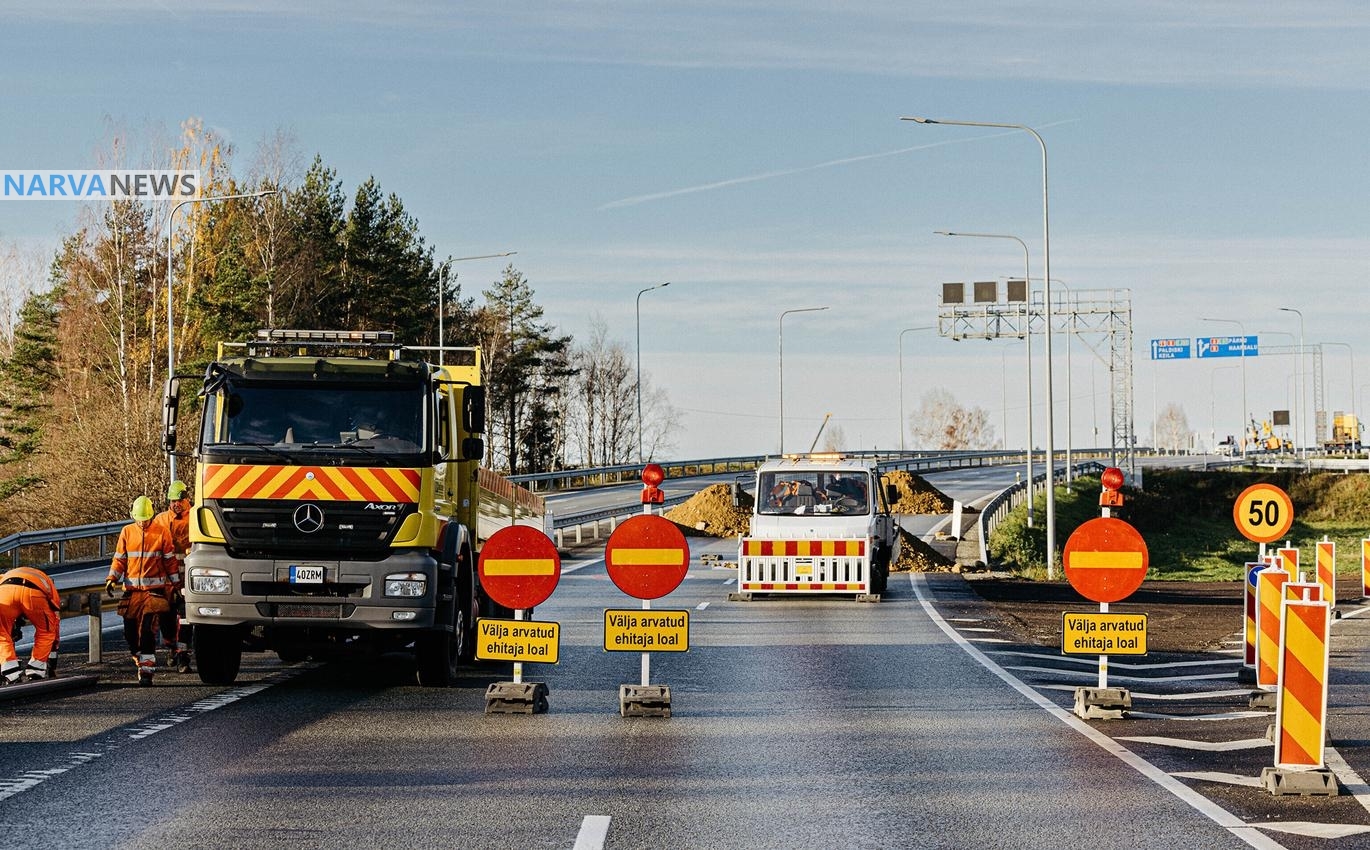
(821, 525)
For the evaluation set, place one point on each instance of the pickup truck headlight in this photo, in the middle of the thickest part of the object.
(204, 580)
(406, 584)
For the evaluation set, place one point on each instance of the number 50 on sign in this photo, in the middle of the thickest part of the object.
(1263, 513)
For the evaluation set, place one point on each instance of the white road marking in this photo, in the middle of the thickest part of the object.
(1347, 776)
(701, 606)
(594, 829)
(1090, 674)
(1093, 660)
(1358, 612)
(974, 629)
(1225, 715)
(1317, 830)
(988, 640)
(113, 739)
(1205, 746)
(1224, 778)
(1194, 799)
(963, 619)
(580, 565)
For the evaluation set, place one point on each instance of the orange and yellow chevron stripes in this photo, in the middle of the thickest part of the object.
(847, 587)
(1301, 715)
(805, 548)
(1326, 559)
(1365, 566)
(324, 483)
(1249, 622)
(1269, 590)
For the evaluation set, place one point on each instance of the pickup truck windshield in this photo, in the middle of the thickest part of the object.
(374, 420)
(813, 492)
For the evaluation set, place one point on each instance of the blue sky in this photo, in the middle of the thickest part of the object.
(1208, 157)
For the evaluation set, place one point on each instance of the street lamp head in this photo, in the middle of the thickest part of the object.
(944, 233)
(919, 119)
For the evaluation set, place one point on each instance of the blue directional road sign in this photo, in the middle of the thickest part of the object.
(1170, 349)
(1227, 346)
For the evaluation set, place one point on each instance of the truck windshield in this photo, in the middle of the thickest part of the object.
(813, 492)
(374, 420)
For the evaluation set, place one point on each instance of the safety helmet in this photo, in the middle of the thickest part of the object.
(176, 491)
(142, 509)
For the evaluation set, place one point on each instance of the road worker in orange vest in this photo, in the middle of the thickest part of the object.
(175, 521)
(145, 564)
(31, 593)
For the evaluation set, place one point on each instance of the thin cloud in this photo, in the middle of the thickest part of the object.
(634, 200)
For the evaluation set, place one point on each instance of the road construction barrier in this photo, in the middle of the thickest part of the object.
(1269, 595)
(1326, 559)
(1365, 567)
(1300, 731)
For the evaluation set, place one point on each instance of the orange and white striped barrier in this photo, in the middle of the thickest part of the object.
(1303, 591)
(1326, 558)
(1249, 622)
(1289, 558)
(1269, 597)
(1300, 730)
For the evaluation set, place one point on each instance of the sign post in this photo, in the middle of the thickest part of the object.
(1263, 513)
(1105, 561)
(519, 568)
(646, 557)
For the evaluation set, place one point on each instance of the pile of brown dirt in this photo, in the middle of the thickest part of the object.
(711, 513)
(916, 496)
(918, 557)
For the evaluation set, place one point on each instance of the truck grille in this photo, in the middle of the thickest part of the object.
(264, 528)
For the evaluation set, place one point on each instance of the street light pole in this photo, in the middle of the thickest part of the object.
(1301, 387)
(442, 313)
(170, 324)
(1027, 339)
(1046, 277)
(782, 366)
(1351, 357)
(1246, 414)
(639, 364)
(902, 424)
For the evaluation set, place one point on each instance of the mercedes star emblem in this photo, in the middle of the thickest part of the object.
(308, 518)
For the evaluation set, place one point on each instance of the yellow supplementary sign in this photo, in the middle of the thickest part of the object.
(1103, 634)
(518, 640)
(646, 631)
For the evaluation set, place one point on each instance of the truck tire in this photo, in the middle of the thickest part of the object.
(218, 653)
(468, 609)
(437, 654)
(880, 571)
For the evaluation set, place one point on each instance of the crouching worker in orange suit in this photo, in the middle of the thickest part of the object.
(145, 564)
(30, 593)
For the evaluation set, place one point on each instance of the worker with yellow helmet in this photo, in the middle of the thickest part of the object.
(175, 521)
(145, 564)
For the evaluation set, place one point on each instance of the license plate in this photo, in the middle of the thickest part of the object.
(803, 567)
(306, 574)
(330, 612)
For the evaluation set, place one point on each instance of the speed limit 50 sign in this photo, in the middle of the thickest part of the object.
(1263, 513)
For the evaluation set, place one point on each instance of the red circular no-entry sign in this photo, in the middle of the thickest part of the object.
(519, 566)
(1105, 559)
(647, 556)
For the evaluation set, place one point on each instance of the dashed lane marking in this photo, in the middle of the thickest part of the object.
(1204, 746)
(1225, 715)
(111, 740)
(594, 829)
(1347, 776)
(701, 606)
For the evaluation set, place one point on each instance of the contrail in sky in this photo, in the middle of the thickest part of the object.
(768, 175)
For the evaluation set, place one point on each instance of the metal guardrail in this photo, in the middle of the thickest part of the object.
(1014, 495)
(59, 542)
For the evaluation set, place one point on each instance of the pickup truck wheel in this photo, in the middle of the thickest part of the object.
(880, 571)
(218, 653)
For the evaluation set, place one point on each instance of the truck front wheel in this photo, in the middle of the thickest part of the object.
(437, 654)
(218, 653)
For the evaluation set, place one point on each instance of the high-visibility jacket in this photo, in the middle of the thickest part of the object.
(177, 526)
(28, 591)
(144, 558)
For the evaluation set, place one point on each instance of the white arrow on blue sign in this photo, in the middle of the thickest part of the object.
(1170, 349)
(1227, 346)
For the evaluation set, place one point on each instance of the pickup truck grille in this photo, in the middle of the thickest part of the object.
(265, 528)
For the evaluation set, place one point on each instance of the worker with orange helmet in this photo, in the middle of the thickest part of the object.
(175, 521)
(145, 564)
(28, 592)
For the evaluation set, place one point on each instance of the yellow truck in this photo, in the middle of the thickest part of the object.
(340, 502)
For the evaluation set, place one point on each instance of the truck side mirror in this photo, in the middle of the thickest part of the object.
(171, 408)
(472, 448)
(891, 495)
(473, 410)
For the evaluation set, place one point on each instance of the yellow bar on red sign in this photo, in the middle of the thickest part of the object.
(1106, 560)
(648, 557)
(519, 566)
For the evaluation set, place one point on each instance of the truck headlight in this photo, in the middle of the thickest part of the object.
(406, 584)
(205, 580)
